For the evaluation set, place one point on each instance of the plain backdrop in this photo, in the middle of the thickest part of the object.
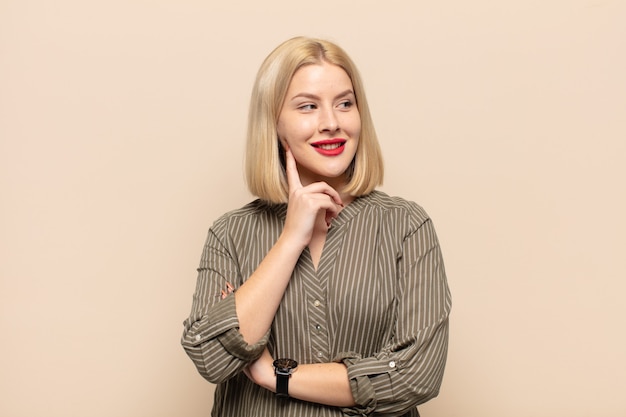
(121, 139)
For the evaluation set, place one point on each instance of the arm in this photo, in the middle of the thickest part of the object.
(323, 383)
(211, 334)
(408, 370)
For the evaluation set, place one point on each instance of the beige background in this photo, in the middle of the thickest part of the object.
(121, 139)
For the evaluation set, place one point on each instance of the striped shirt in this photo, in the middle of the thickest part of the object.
(378, 302)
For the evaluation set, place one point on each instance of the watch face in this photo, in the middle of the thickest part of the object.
(285, 364)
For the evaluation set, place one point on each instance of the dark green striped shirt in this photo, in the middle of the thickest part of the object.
(378, 302)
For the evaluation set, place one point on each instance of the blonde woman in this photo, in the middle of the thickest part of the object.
(323, 297)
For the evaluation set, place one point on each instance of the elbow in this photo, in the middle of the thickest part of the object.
(211, 376)
(207, 365)
(426, 388)
(220, 357)
(426, 394)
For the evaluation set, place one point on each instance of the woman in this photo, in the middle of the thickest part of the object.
(324, 297)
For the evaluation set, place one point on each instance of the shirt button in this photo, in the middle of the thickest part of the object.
(318, 327)
(320, 354)
(198, 338)
(317, 303)
(392, 364)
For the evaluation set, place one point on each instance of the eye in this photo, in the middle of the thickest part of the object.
(307, 107)
(346, 104)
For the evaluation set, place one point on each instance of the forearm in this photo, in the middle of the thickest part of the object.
(324, 383)
(259, 297)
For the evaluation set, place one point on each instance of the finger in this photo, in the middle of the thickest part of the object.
(324, 203)
(334, 195)
(331, 214)
(324, 188)
(293, 178)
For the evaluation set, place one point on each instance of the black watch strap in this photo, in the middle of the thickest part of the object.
(283, 368)
(282, 385)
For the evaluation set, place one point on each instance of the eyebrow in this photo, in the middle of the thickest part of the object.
(314, 97)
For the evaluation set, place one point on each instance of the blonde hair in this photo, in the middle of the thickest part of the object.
(264, 158)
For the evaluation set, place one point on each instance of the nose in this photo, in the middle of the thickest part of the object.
(328, 121)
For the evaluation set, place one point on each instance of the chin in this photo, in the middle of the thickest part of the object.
(333, 175)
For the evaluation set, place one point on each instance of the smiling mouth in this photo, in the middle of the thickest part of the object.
(329, 145)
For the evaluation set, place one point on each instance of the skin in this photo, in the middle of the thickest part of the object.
(319, 105)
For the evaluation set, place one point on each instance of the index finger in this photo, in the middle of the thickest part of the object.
(293, 178)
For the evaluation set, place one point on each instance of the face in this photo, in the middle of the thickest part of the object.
(320, 123)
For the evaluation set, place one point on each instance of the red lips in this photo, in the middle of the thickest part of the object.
(330, 147)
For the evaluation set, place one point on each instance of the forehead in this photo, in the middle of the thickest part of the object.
(320, 77)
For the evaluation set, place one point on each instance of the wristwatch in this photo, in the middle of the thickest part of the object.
(283, 368)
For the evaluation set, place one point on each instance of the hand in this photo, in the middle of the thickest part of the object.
(261, 371)
(307, 204)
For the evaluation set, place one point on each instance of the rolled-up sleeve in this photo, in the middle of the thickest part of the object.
(211, 334)
(408, 371)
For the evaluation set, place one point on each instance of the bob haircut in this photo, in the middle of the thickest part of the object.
(264, 158)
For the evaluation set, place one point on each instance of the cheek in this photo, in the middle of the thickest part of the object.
(353, 126)
(294, 130)
(280, 129)
(283, 134)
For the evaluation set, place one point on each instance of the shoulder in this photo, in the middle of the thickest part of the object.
(254, 213)
(253, 208)
(397, 208)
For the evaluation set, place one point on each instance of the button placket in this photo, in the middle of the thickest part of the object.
(319, 336)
